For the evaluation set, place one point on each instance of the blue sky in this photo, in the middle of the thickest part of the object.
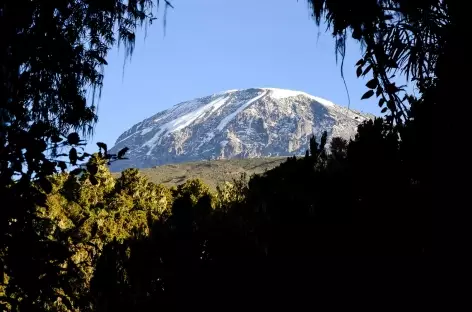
(216, 45)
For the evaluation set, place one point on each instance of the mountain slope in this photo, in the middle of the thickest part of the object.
(213, 173)
(248, 123)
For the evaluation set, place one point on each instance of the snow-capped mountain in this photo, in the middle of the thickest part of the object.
(246, 123)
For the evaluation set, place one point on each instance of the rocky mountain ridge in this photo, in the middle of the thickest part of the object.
(249, 123)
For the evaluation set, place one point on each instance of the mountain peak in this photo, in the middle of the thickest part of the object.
(255, 122)
(279, 93)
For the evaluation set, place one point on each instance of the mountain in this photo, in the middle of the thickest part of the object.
(249, 123)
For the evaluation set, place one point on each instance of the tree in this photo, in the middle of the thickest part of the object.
(338, 148)
(232, 193)
(52, 53)
(396, 36)
(193, 189)
(425, 41)
(82, 218)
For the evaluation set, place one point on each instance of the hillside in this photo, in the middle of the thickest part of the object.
(211, 172)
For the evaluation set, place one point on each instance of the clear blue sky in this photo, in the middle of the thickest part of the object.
(216, 45)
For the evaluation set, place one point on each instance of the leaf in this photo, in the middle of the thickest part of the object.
(392, 88)
(378, 92)
(357, 34)
(93, 180)
(56, 139)
(77, 171)
(73, 138)
(384, 110)
(45, 185)
(93, 169)
(38, 129)
(367, 95)
(359, 71)
(381, 102)
(360, 62)
(102, 145)
(391, 63)
(122, 152)
(62, 165)
(372, 84)
(73, 156)
(48, 166)
(101, 60)
(367, 70)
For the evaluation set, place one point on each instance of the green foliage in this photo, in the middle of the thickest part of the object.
(229, 194)
(83, 217)
(85, 214)
(155, 199)
(193, 189)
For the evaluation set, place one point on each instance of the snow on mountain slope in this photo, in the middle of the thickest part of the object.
(255, 122)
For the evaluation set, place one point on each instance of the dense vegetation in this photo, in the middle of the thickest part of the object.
(79, 240)
(129, 244)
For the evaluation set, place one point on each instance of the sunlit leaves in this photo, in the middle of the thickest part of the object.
(87, 213)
